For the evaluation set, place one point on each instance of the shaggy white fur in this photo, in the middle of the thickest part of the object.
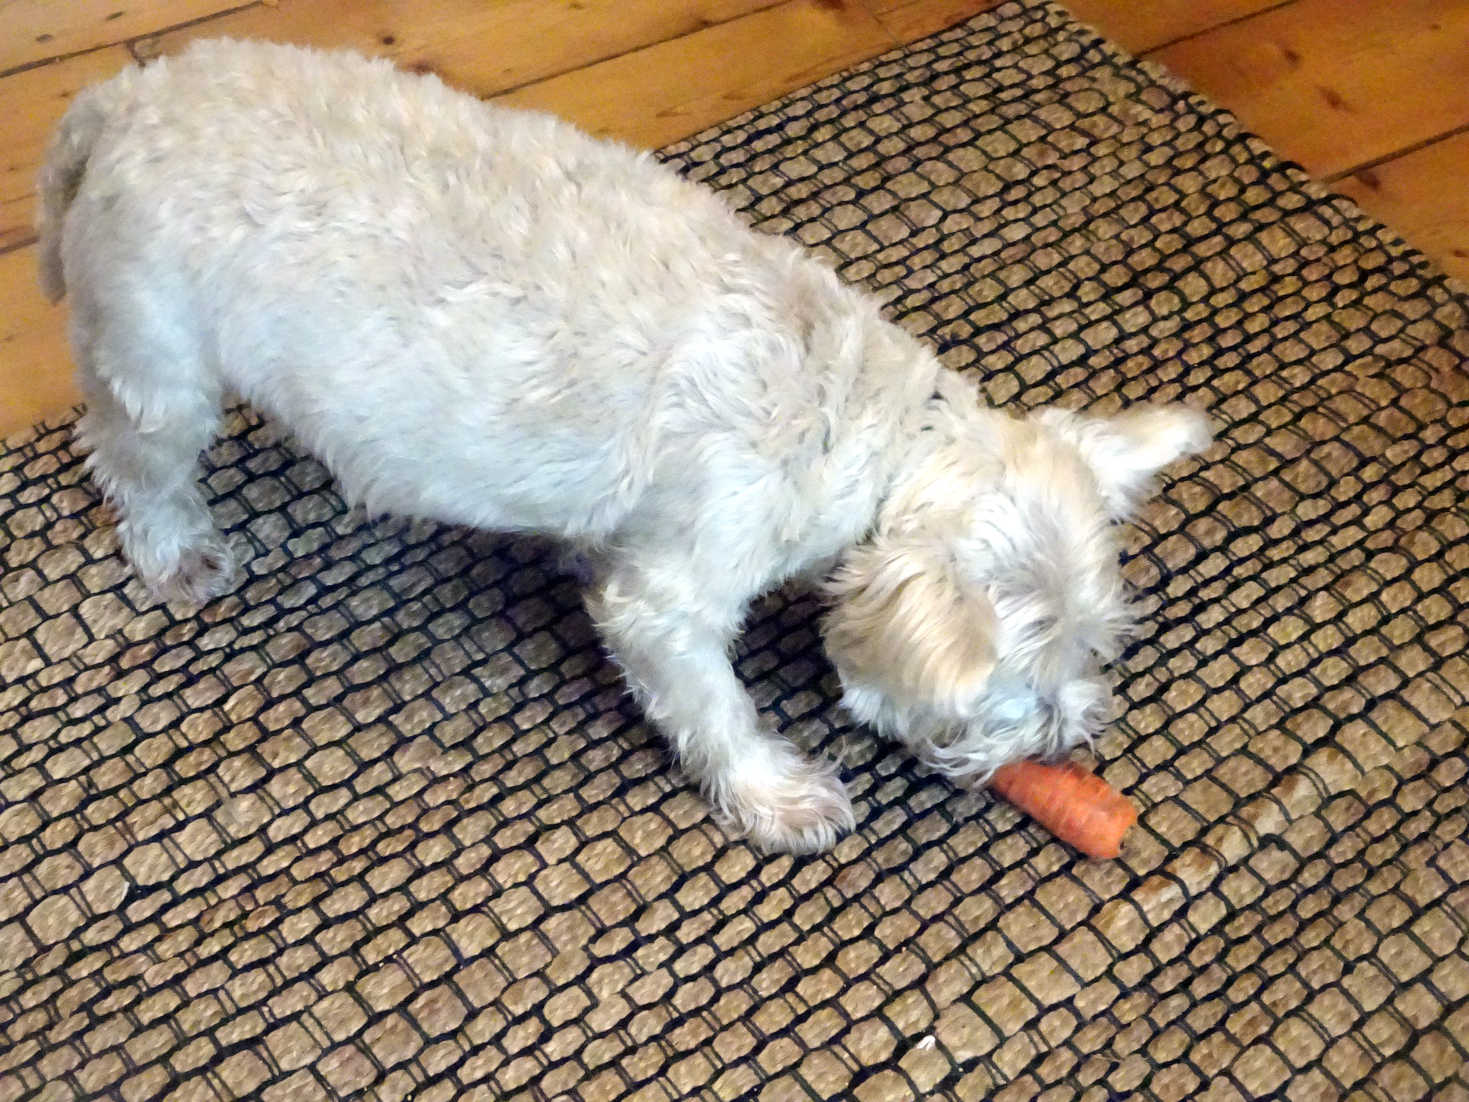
(485, 317)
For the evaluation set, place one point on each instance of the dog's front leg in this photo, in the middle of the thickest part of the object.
(673, 641)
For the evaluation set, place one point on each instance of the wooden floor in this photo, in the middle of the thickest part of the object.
(1372, 96)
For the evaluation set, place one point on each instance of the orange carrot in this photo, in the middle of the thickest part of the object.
(1076, 806)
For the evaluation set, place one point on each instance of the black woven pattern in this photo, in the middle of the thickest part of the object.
(381, 824)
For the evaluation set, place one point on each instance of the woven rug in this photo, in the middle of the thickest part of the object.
(381, 825)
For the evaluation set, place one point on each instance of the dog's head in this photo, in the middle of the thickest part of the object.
(973, 622)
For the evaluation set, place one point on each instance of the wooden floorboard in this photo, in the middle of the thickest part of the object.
(34, 101)
(661, 93)
(35, 363)
(1142, 26)
(37, 30)
(1423, 196)
(1334, 84)
(910, 20)
(481, 47)
(1370, 94)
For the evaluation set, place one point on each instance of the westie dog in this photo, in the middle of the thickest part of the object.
(486, 317)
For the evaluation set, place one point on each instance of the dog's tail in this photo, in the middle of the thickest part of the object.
(61, 177)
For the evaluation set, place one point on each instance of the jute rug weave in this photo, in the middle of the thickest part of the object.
(381, 824)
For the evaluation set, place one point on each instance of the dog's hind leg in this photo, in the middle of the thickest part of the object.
(150, 412)
(674, 649)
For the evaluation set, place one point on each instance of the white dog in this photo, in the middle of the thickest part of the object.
(485, 317)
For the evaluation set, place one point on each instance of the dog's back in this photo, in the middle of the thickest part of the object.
(461, 308)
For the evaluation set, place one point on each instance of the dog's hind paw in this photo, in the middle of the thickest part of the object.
(804, 810)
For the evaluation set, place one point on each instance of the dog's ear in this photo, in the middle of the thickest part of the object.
(1126, 451)
(903, 622)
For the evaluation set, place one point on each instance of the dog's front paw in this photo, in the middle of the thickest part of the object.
(198, 575)
(803, 809)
